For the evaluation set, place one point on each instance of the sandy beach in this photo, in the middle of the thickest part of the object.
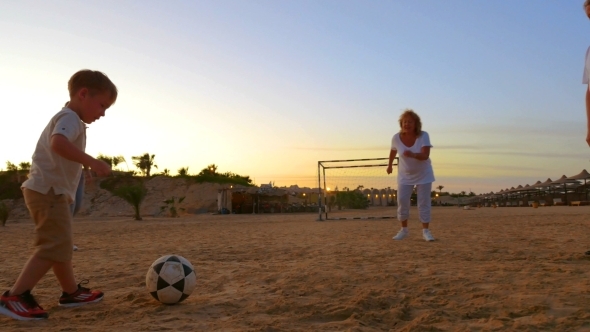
(503, 269)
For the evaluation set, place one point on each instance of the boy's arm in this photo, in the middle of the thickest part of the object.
(588, 113)
(64, 148)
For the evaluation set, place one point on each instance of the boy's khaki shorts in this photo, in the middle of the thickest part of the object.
(53, 225)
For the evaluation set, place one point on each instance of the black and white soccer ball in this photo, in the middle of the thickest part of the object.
(171, 279)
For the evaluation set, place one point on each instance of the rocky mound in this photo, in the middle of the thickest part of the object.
(199, 198)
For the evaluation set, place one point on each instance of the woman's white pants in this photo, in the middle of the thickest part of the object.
(404, 193)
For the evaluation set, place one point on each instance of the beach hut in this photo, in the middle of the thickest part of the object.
(383, 196)
(224, 201)
(375, 197)
(367, 194)
(258, 200)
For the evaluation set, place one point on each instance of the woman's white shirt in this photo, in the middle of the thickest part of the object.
(411, 171)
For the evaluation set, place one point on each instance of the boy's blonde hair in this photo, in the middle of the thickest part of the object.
(92, 80)
(418, 123)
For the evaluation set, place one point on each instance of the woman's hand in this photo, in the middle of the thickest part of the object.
(410, 154)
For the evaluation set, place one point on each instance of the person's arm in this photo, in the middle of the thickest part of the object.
(424, 153)
(588, 113)
(392, 154)
(64, 148)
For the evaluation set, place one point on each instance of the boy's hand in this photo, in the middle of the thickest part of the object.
(87, 175)
(100, 168)
(588, 137)
(389, 169)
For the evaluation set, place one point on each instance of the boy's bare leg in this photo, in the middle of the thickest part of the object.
(425, 225)
(405, 223)
(64, 272)
(32, 272)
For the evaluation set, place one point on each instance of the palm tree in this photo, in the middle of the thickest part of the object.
(106, 159)
(145, 162)
(440, 188)
(183, 171)
(133, 194)
(212, 169)
(117, 160)
(23, 166)
(10, 167)
(171, 206)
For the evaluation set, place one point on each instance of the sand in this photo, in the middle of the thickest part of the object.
(503, 269)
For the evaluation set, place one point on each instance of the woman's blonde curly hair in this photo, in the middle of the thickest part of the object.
(418, 123)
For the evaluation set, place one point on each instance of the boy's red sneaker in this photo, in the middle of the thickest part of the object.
(21, 307)
(80, 297)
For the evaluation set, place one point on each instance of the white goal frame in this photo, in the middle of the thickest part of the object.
(322, 198)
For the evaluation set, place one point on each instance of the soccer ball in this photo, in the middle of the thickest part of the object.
(171, 279)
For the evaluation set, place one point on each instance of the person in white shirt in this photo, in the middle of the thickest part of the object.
(50, 190)
(586, 80)
(414, 170)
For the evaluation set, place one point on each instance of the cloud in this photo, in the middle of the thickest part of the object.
(327, 148)
(519, 128)
(486, 167)
(504, 150)
(496, 150)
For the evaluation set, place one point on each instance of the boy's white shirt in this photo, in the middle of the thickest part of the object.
(586, 76)
(50, 170)
(411, 171)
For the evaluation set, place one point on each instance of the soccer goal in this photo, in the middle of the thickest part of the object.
(356, 189)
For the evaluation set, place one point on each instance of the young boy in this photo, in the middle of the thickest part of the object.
(586, 76)
(586, 80)
(49, 191)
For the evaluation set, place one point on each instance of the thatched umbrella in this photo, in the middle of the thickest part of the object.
(517, 191)
(537, 186)
(563, 180)
(542, 185)
(510, 191)
(506, 194)
(527, 189)
(490, 197)
(500, 195)
(582, 176)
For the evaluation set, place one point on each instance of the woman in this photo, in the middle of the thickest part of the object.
(414, 170)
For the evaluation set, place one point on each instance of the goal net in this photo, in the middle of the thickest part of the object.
(356, 189)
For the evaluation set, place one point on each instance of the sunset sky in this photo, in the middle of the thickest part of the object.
(268, 88)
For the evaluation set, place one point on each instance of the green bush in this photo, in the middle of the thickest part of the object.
(118, 180)
(133, 194)
(9, 187)
(171, 206)
(351, 200)
(222, 178)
